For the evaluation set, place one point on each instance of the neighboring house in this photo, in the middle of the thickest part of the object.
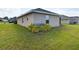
(65, 19)
(69, 20)
(39, 16)
(3, 20)
(74, 20)
(13, 20)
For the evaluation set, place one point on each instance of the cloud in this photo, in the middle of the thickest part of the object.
(11, 12)
(65, 11)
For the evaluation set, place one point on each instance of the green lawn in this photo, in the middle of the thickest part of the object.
(13, 36)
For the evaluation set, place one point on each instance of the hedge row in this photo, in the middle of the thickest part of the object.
(36, 28)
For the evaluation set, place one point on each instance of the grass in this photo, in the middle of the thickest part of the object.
(13, 36)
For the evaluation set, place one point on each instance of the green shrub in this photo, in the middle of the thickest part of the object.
(46, 27)
(30, 27)
(35, 28)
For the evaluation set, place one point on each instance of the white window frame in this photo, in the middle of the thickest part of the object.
(46, 17)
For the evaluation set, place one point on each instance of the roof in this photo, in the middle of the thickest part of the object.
(75, 17)
(64, 17)
(39, 10)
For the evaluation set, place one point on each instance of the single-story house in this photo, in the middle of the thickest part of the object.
(3, 20)
(74, 20)
(65, 19)
(69, 20)
(13, 20)
(39, 16)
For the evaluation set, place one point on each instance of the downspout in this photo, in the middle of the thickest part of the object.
(60, 21)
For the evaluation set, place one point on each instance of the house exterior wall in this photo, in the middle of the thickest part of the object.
(65, 21)
(41, 18)
(78, 21)
(36, 18)
(54, 21)
(27, 20)
(74, 20)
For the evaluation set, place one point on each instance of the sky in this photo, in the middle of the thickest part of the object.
(12, 12)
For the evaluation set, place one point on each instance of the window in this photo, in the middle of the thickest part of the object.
(47, 21)
(47, 17)
(22, 20)
(27, 19)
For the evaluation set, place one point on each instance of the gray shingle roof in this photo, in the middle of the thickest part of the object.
(42, 11)
(64, 17)
(75, 17)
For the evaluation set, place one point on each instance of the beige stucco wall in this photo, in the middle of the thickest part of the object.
(77, 20)
(53, 20)
(65, 21)
(36, 18)
(26, 22)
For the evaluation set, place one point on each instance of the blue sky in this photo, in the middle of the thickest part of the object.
(11, 12)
